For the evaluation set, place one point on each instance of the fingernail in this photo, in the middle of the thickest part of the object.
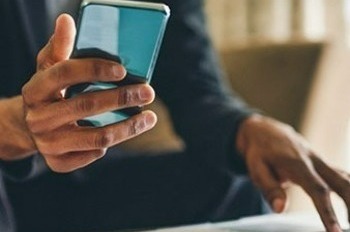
(145, 123)
(145, 93)
(150, 120)
(119, 71)
(278, 205)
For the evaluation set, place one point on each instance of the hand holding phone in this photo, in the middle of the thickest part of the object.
(49, 120)
(128, 32)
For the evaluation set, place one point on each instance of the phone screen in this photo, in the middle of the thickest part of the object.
(129, 35)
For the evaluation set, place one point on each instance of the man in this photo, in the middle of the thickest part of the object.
(137, 190)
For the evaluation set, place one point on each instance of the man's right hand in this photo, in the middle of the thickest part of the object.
(51, 119)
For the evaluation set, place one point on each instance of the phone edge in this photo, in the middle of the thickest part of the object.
(145, 5)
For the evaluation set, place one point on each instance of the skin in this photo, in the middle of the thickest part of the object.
(42, 120)
(276, 154)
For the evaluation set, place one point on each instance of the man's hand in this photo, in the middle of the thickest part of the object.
(51, 119)
(276, 154)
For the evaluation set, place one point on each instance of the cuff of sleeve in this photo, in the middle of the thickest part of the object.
(236, 162)
(235, 158)
(217, 147)
(22, 169)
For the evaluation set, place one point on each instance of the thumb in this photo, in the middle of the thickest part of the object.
(60, 45)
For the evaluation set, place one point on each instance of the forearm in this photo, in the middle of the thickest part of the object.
(15, 142)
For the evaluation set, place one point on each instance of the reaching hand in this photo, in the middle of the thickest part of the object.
(51, 119)
(276, 154)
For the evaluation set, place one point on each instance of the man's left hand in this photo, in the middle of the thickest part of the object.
(276, 154)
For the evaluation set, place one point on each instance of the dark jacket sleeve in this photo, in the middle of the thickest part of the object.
(205, 113)
(17, 64)
(23, 169)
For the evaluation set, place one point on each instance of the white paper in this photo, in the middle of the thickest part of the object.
(268, 223)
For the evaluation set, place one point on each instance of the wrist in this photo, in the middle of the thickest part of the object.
(242, 138)
(17, 144)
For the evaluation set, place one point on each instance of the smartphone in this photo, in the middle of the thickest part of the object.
(128, 32)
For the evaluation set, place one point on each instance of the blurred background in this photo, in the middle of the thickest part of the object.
(291, 58)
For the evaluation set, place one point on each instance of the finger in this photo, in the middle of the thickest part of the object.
(72, 161)
(85, 139)
(60, 45)
(270, 186)
(319, 192)
(46, 86)
(73, 109)
(337, 180)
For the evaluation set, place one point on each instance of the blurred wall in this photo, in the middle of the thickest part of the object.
(233, 22)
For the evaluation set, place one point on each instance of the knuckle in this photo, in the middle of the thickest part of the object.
(330, 215)
(36, 122)
(25, 91)
(345, 190)
(44, 58)
(49, 144)
(332, 219)
(41, 57)
(96, 68)
(295, 163)
(86, 105)
(60, 72)
(105, 138)
(124, 97)
(321, 190)
(31, 122)
(136, 126)
(45, 148)
(26, 94)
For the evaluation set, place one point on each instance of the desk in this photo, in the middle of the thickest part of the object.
(269, 223)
